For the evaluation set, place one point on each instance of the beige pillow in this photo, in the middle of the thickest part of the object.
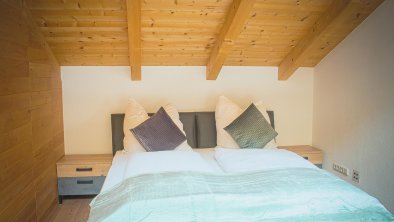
(136, 114)
(174, 114)
(226, 112)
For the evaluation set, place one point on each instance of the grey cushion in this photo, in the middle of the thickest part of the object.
(251, 129)
(206, 129)
(159, 132)
(189, 126)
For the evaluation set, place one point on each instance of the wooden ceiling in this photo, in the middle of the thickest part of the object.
(284, 33)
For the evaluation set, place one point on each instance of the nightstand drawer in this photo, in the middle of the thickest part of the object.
(80, 185)
(82, 170)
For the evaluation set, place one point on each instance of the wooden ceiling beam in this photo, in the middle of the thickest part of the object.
(134, 35)
(341, 17)
(232, 27)
(299, 53)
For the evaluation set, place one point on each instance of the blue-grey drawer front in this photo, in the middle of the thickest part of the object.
(80, 185)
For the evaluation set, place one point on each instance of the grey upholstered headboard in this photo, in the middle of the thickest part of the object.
(200, 129)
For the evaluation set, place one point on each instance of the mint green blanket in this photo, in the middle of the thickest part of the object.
(276, 195)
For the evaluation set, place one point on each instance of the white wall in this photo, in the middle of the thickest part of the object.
(354, 104)
(91, 94)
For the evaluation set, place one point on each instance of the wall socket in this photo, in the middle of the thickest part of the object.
(340, 169)
(356, 176)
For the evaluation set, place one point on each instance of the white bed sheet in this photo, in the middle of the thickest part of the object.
(209, 156)
(249, 160)
(116, 173)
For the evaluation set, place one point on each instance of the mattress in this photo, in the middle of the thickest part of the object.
(116, 173)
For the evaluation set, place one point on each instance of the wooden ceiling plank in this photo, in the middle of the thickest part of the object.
(186, 32)
(134, 35)
(235, 21)
(340, 12)
(299, 53)
(77, 4)
(77, 12)
(83, 29)
(288, 6)
(206, 6)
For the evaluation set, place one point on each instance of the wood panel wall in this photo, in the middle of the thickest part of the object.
(31, 118)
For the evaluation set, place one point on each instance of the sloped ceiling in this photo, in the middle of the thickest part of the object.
(284, 33)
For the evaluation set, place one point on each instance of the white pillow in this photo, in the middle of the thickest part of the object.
(226, 112)
(165, 161)
(136, 114)
(174, 115)
(247, 160)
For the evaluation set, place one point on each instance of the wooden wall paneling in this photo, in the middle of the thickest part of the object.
(31, 118)
(13, 27)
(16, 85)
(45, 185)
(22, 208)
(47, 148)
(13, 120)
(36, 55)
(12, 190)
(13, 68)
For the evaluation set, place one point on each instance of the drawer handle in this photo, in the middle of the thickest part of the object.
(305, 157)
(84, 181)
(83, 169)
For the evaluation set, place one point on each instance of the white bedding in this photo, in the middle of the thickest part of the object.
(293, 194)
(115, 173)
(248, 160)
(219, 160)
(121, 169)
(208, 154)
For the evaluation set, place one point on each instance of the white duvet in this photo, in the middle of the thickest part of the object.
(248, 160)
(215, 160)
(127, 165)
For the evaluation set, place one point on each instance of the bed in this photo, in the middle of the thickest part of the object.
(297, 192)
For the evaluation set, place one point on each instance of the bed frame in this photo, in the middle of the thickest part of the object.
(200, 129)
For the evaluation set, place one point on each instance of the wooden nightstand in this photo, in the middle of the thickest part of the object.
(82, 174)
(310, 153)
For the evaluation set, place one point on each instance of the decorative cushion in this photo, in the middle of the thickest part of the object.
(226, 112)
(135, 114)
(251, 129)
(159, 132)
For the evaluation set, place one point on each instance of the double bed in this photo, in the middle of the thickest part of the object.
(215, 184)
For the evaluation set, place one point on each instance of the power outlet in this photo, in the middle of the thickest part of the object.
(340, 169)
(356, 176)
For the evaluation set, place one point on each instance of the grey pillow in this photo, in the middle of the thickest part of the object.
(251, 129)
(159, 132)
